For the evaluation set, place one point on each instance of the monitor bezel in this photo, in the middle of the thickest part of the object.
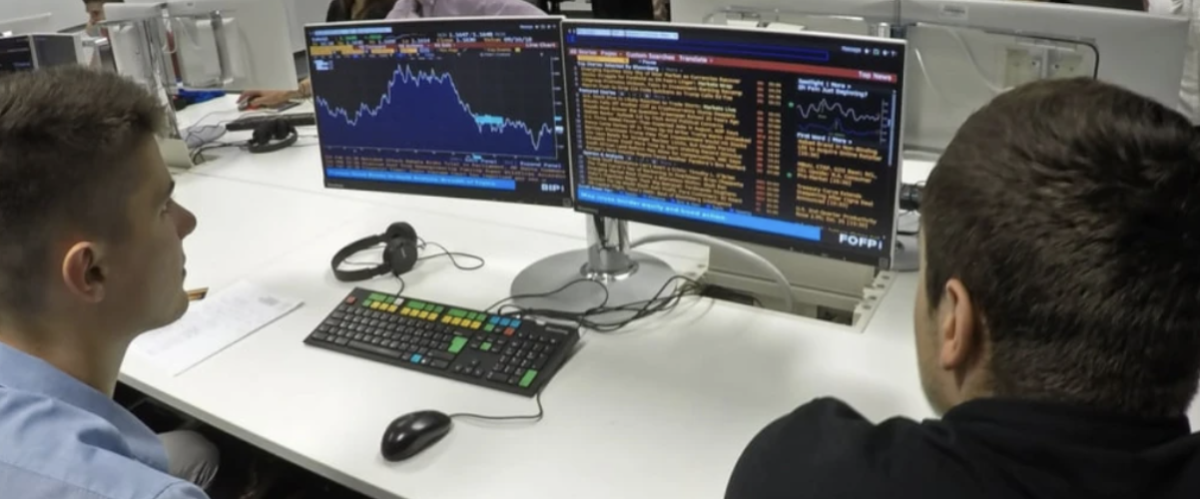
(563, 199)
(880, 260)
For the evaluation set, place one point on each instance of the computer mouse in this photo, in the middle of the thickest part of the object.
(412, 433)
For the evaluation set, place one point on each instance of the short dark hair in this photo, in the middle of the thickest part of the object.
(67, 138)
(1070, 210)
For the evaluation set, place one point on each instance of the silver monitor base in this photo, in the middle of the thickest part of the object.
(606, 268)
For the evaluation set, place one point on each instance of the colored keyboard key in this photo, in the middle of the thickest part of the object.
(528, 378)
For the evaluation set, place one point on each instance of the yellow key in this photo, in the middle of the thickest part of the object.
(456, 322)
(433, 317)
(392, 309)
(376, 305)
(446, 319)
(476, 325)
(424, 315)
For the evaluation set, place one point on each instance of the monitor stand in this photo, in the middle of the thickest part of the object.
(631, 278)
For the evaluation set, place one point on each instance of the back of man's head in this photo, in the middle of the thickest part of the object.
(68, 142)
(1070, 210)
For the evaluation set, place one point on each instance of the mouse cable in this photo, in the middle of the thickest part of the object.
(452, 255)
(533, 417)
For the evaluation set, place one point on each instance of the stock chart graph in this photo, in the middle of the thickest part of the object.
(843, 112)
(833, 118)
(424, 107)
(466, 108)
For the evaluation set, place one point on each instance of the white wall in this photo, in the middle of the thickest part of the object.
(67, 13)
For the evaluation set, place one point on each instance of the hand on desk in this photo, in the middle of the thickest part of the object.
(274, 98)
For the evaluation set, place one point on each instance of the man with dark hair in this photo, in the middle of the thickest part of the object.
(90, 257)
(1057, 318)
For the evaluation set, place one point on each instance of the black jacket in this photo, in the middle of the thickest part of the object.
(339, 11)
(988, 448)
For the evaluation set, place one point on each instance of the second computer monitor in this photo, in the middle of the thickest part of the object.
(787, 140)
(465, 108)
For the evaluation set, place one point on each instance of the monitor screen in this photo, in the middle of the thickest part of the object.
(787, 140)
(465, 108)
(16, 54)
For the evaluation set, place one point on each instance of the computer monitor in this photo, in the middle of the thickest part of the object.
(780, 139)
(40, 23)
(852, 17)
(1136, 50)
(469, 108)
(233, 44)
(29, 52)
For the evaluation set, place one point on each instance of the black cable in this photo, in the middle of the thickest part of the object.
(534, 417)
(552, 293)
(451, 255)
(402, 286)
(642, 309)
(211, 146)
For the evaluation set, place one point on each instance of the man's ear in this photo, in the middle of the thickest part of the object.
(957, 327)
(84, 273)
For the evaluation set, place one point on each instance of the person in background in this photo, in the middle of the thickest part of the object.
(95, 11)
(91, 257)
(339, 11)
(1056, 319)
(412, 9)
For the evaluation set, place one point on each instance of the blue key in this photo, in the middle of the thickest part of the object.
(505, 322)
(515, 324)
(495, 319)
(416, 359)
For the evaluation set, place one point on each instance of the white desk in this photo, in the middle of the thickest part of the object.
(662, 409)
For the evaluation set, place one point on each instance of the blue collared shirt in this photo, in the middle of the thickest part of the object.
(61, 439)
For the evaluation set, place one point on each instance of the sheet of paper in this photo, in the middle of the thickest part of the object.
(210, 326)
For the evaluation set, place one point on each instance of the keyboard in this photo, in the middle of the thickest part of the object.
(502, 353)
(252, 122)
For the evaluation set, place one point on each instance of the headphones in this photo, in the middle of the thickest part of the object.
(399, 256)
(269, 131)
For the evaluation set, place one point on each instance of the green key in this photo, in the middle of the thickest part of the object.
(440, 309)
(367, 303)
(489, 328)
(528, 379)
(485, 346)
(429, 308)
(378, 297)
(454, 312)
(457, 344)
(416, 305)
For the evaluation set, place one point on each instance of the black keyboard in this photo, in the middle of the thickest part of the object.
(483, 349)
(252, 122)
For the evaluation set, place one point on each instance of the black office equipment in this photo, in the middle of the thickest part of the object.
(399, 254)
(412, 433)
(470, 108)
(29, 52)
(253, 122)
(779, 139)
(488, 350)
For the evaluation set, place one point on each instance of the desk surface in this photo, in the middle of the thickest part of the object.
(661, 409)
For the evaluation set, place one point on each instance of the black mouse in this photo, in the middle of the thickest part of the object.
(412, 433)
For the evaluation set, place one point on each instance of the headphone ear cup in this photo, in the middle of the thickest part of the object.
(401, 254)
(262, 134)
(401, 230)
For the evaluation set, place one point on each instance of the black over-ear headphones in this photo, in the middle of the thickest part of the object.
(274, 130)
(399, 256)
